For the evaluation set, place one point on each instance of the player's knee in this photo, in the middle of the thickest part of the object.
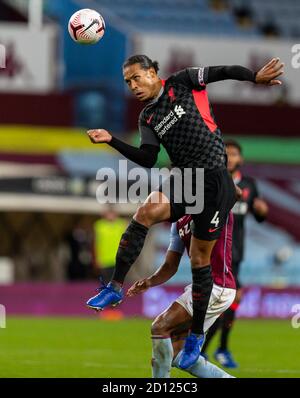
(200, 259)
(200, 255)
(147, 214)
(143, 215)
(159, 328)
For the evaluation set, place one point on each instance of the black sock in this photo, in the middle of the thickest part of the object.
(201, 291)
(130, 246)
(210, 334)
(228, 318)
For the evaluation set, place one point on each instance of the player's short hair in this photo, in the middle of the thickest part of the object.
(235, 144)
(145, 62)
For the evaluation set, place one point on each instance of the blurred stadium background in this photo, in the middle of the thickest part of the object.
(52, 246)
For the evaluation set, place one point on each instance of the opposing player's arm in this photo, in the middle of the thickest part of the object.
(145, 155)
(166, 270)
(162, 275)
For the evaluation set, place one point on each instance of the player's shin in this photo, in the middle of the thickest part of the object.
(201, 291)
(130, 246)
(203, 369)
(162, 355)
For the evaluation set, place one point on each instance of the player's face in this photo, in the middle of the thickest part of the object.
(234, 158)
(142, 83)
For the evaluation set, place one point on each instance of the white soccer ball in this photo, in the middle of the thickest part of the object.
(86, 26)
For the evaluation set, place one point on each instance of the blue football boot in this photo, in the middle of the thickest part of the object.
(191, 350)
(225, 359)
(108, 295)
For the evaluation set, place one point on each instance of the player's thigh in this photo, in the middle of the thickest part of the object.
(200, 251)
(155, 209)
(173, 318)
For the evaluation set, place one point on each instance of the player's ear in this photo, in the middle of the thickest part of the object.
(152, 72)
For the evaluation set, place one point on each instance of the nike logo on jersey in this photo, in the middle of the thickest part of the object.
(212, 229)
(150, 118)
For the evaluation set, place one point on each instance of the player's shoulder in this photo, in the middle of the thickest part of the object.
(191, 78)
(180, 76)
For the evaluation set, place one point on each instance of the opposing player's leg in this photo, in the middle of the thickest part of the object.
(201, 368)
(219, 198)
(220, 300)
(168, 333)
(155, 209)
(174, 318)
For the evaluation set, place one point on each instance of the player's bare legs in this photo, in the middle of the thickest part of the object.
(162, 328)
(168, 332)
(154, 210)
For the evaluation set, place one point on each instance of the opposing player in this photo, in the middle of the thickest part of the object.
(171, 326)
(249, 202)
(179, 117)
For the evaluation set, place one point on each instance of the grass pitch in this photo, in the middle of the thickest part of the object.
(60, 347)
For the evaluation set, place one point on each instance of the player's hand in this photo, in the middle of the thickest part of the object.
(99, 136)
(269, 73)
(260, 207)
(138, 287)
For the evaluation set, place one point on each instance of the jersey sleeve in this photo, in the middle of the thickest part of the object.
(194, 78)
(148, 136)
(229, 72)
(176, 244)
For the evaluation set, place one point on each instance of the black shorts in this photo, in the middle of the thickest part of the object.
(219, 198)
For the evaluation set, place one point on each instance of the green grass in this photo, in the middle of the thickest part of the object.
(52, 347)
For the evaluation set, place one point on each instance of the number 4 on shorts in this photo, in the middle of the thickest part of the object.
(215, 219)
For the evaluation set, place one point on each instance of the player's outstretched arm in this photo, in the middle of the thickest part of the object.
(162, 275)
(267, 75)
(145, 156)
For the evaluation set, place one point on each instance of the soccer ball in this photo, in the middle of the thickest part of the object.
(86, 26)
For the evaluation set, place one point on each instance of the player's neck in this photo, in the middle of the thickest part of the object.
(157, 89)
